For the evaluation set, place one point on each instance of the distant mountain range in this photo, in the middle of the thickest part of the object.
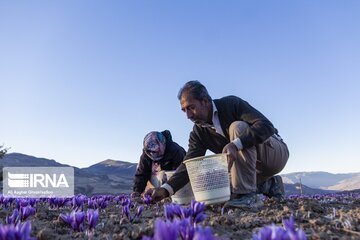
(324, 180)
(106, 177)
(115, 177)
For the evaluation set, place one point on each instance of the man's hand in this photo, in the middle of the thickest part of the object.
(157, 194)
(231, 150)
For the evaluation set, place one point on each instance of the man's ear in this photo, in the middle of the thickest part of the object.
(205, 101)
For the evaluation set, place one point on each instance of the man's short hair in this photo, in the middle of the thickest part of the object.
(196, 90)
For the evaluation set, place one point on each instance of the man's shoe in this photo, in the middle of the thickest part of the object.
(251, 200)
(272, 188)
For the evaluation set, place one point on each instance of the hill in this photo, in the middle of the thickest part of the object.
(324, 180)
(96, 179)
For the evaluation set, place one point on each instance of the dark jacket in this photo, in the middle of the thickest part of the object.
(173, 157)
(229, 109)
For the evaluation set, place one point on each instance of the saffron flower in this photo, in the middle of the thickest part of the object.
(21, 202)
(278, 233)
(197, 207)
(14, 218)
(185, 228)
(16, 231)
(165, 230)
(75, 220)
(58, 202)
(126, 211)
(98, 202)
(67, 218)
(102, 202)
(195, 212)
(26, 212)
(179, 229)
(5, 201)
(92, 218)
(172, 211)
(147, 199)
(203, 234)
(92, 203)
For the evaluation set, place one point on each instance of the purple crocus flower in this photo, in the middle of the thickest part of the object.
(25, 230)
(289, 224)
(21, 202)
(66, 218)
(179, 229)
(126, 211)
(79, 217)
(58, 202)
(5, 201)
(102, 202)
(147, 199)
(177, 210)
(195, 212)
(33, 201)
(74, 219)
(165, 230)
(146, 238)
(26, 212)
(168, 211)
(119, 198)
(199, 218)
(92, 203)
(197, 207)
(270, 232)
(198, 211)
(186, 212)
(140, 209)
(203, 234)
(274, 232)
(78, 202)
(300, 235)
(18, 231)
(126, 201)
(173, 210)
(185, 228)
(14, 218)
(92, 218)
(77, 221)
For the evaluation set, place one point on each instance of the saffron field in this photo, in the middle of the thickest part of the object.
(333, 216)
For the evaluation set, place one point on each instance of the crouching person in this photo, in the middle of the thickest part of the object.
(256, 152)
(160, 154)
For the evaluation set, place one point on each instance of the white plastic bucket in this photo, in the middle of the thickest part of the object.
(182, 196)
(209, 178)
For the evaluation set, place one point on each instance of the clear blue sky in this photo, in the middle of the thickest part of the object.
(84, 81)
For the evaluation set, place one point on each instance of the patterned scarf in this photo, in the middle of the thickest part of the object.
(154, 145)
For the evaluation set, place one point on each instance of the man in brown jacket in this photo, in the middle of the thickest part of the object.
(256, 152)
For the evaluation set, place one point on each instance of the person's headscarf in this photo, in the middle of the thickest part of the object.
(154, 145)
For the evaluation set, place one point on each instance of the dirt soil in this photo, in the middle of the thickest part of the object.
(320, 218)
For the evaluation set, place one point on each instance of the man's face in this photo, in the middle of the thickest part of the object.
(199, 112)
